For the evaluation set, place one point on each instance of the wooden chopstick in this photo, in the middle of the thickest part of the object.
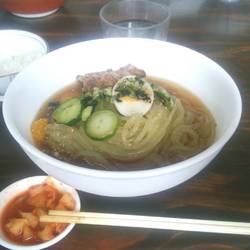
(212, 226)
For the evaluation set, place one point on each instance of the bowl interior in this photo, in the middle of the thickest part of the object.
(195, 72)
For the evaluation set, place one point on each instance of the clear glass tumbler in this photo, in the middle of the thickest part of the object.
(135, 18)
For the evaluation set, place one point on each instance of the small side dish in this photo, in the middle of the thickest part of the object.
(20, 222)
(18, 49)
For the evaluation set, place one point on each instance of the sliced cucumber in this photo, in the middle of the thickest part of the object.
(101, 124)
(68, 112)
(86, 113)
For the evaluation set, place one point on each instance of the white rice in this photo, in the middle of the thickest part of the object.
(10, 64)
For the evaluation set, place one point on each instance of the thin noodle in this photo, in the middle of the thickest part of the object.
(160, 137)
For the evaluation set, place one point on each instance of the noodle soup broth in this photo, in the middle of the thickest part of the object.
(160, 137)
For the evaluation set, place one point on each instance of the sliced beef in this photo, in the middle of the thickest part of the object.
(108, 78)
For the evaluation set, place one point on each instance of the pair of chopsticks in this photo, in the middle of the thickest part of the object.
(212, 226)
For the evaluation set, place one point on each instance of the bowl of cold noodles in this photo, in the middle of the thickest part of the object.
(122, 116)
(21, 205)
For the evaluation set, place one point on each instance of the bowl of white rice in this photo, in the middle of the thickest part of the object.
(18, 49)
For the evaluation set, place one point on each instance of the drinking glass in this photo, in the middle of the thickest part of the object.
(135, 18)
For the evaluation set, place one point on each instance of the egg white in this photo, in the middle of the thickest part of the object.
(128, 105)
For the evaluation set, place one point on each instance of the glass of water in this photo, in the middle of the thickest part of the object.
(135, 18)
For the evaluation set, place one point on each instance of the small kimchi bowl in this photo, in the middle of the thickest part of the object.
(189, 69)
(19, 187)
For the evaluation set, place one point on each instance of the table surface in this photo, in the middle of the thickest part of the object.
(221, 31)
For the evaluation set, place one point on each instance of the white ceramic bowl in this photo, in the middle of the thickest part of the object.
(202, 76)
(18, 187)
(18, 48)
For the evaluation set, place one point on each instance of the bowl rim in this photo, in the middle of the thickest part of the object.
(134, 174)
(59, 237)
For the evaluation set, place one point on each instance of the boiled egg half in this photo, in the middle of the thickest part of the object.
(133, 95)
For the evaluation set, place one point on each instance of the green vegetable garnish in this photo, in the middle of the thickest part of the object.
(68, 112)
(86, 113)
(101, 124)
(133, 87)
(165, 98)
